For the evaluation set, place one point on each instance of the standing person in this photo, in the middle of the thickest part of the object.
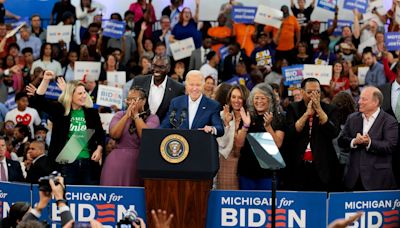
(376, 73)
(9, 170)
(36, 28)
(264, 118)
(46, 61)
(302, 14)
(311, 127)
(4, 13)
(85, 13)
(338, 82)
(187, 27)
(28, 40)
(59, 9)
(72, 114)
(68, 70)
(172, 11)
(233, 117)
(39, 167)
(120, 168)
(143, 12)
(371, 137)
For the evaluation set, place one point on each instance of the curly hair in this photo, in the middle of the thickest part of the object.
(345, 105)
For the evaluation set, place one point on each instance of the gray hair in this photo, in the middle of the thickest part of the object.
(266, 90)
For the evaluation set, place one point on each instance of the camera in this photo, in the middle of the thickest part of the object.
(44, 184)
(130, 216)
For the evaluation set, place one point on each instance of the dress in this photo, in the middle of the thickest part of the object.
(120, 167)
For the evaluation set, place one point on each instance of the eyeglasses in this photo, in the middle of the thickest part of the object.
(135, 99)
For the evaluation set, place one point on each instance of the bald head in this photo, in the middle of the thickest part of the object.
(36, 148)
(371, 99)
(194, 84)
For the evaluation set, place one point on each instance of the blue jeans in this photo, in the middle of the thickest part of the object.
(246, 183)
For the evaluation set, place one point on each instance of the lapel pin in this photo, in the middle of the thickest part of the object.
(9, 164)
(170, 89)
(204, 107)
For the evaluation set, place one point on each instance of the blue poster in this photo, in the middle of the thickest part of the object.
(392, 41)
(105, 204)
(114, 29)
(244, 14)
(11, 193)
(327, 4)
(361, 5)
(253, 209)
(340, 25)
(53, 92)
(381, 208)
(292, 74)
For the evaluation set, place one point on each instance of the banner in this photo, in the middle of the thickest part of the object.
(243, 14)
(114, 29)
(106, 120)
(182, 48)
(381, 208)
(327, 4)
(268, 16)
(362, 72)
(392, 41)
(53, 92)
(292, 74)
(104, 204)
(340, 24)
(108, 96)
(253, 209)
(321, 72)
(55, 33)
(11, 193)
(116, 78)
(360, 5)
(85, 70)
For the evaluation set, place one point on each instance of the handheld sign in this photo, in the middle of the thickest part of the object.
(55, 33)
(108, 96)
(85, 70)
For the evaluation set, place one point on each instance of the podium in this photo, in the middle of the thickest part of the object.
(178, 167)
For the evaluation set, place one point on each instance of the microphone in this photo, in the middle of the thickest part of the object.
(172, 117)
(182, 117)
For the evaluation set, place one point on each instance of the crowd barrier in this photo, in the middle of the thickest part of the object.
(225, 208)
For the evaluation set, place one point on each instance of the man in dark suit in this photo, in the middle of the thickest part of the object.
(199, 56)
(235, 56)
(159, 88)
(39, 166)
(200, 112)
(391, 105)
(371, 135)
(9, 170)
(312, 125)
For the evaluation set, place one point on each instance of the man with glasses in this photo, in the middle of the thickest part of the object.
(159, 88)
(311, 127)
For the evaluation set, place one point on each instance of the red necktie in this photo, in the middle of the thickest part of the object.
(308, 156)
(3, 176)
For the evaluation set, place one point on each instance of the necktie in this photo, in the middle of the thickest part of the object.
(397, 109)
(3, 172)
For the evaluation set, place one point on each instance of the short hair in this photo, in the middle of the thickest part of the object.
(377, 95)
(14, 45)
(195, 73)
(20, 95)
(23, 129)
(345, 105)
(166, 60)
(35, 15)
(165, 17)
(128, 12)
(180, 63)
(368, 50)
(26, 27)
(210, 55)
(27, 50)
(307, 80)
(41, 143)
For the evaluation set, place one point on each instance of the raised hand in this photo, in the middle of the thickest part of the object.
(268, 116)
(143, 27)
(30, 89)
(227, 115)
(245, 117)
(48, 75)
(310, 110)
(61, 83)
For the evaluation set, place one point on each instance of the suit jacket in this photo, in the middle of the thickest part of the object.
(374, 165)
(38, 169)
(386, 90)
(207, 114)
(195, 60)
(324, 155)
(14, 171)
(230, 68)
(172, 89)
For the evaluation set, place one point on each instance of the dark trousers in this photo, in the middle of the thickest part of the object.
(308, 179)
(247, 183)
(80, 172)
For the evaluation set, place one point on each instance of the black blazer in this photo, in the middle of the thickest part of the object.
(14, 171)
(37, 170)
(230, 68)
(172, 89)
(386, 90)
(374, 166)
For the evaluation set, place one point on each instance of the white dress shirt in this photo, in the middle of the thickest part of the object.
(156, 95)
(193, 106)
(395, 92)
(5, 167)
(367, 124)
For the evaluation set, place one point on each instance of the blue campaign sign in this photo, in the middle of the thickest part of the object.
(340, 25)
(392, 41)
(292, 74)
(253, 209)
(244, 14)
(361, 5)
(11, 193)
(327, 4)
(381, 208)
(53, 92)
(105, 204)
(114, 29)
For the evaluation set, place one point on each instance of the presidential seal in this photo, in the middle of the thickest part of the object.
(174, 148)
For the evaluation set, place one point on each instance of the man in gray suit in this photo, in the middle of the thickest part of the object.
(160, 89)
(371, 136)
(199, 56)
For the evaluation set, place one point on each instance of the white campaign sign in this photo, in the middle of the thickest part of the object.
(362, 72)
(268, 16)
(182, 48)
(108, 96)
(87, 70)
(321, 72)
(55, 33)
(116, 78)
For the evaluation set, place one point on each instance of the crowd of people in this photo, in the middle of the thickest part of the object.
(338, 137)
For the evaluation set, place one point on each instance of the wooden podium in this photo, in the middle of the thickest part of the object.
(178, 167)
